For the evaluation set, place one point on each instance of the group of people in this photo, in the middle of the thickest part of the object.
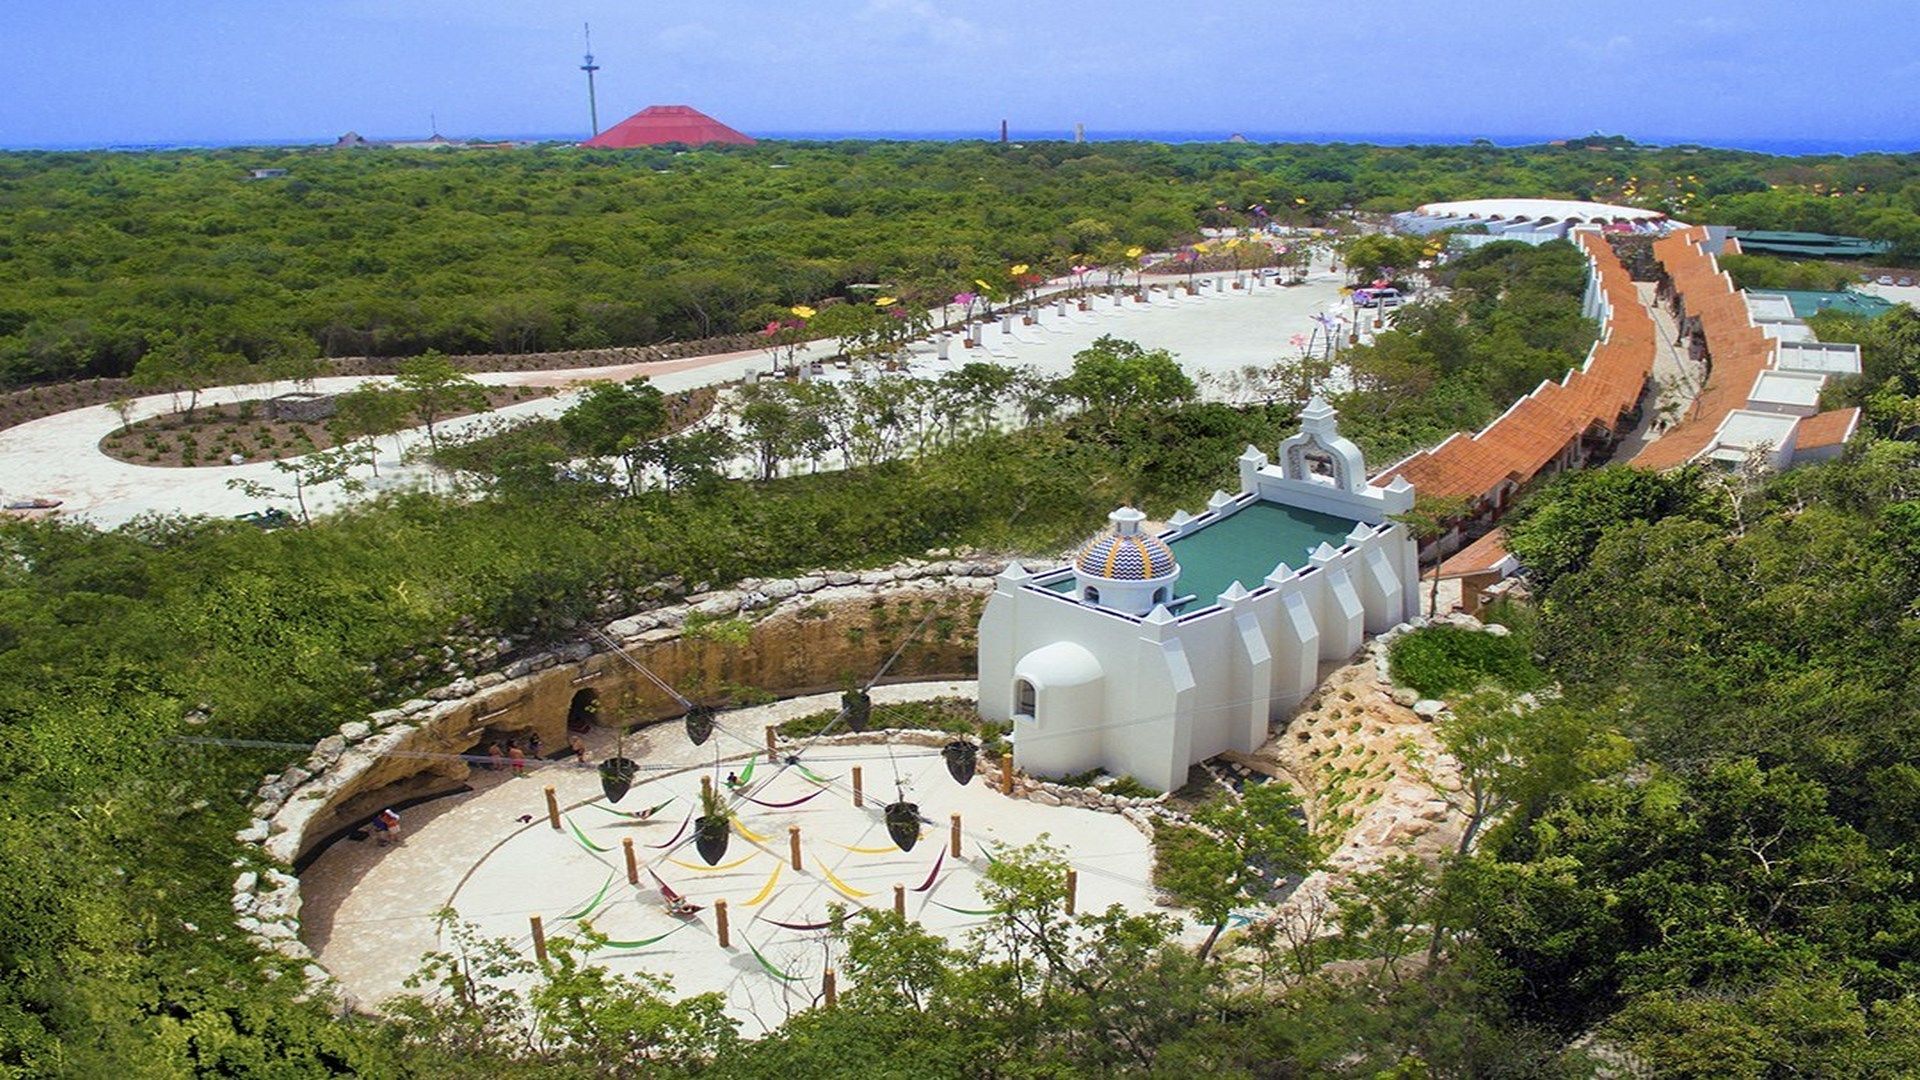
(509, 753)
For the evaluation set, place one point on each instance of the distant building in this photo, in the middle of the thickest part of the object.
(266, 174)
(661, 125)
(1809, 245)
(1151, 653)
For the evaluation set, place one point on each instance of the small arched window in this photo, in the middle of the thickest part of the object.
(1023, 698)
(1092, 595)
(1161, 595)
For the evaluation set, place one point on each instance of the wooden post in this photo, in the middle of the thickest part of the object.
(793, 846)
(553, 809)
(953, 838)
(539, 939)
(829, 989)
(1006, 774)
(706, 792)
(633, 866)
(857, 790)
(771, 749)
(1073, 888)
(900, 900)
(720, 923)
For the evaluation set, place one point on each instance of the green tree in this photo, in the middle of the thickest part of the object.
(438, 390)
(305, 473)
(1113, 378)
(617, 420)
(367, 412)
(1240, 851)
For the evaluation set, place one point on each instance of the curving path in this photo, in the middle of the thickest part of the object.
(58, 456)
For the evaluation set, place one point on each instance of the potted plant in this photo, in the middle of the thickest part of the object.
(710, 829)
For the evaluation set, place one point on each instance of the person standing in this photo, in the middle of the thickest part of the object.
(386, 827)
(517, 760)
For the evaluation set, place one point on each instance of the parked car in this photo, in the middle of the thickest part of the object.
(1377, 298)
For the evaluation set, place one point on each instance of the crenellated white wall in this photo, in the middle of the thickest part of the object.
(1174, 691)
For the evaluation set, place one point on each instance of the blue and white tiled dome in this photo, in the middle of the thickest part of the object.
(1125, 557)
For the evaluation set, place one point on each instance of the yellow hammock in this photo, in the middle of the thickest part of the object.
(767, 889)
(751, 855)
(749, 834)
(849, 890)
(887, 850)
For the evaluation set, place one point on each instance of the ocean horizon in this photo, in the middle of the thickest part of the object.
(1784, 147)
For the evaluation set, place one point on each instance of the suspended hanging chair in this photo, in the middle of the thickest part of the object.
(616, 777)
(858, 705)
(699, 722)
(903, 824)
(962, 759)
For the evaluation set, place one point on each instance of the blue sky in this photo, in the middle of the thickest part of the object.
(201, 70)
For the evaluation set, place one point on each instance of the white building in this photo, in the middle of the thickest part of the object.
(1153, 652)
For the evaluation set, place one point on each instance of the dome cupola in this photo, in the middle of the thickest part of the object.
(1125, 569)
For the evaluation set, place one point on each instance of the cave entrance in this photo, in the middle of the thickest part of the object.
(584, 710)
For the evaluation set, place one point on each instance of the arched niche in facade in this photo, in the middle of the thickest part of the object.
(1320, 443)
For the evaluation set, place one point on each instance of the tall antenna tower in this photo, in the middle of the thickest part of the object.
(593, 104)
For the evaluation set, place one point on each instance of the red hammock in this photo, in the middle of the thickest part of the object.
(784, 805)
(676, 832)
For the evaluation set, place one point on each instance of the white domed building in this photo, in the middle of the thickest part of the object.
(1151, 652)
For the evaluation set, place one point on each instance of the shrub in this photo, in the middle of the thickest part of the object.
(1441, 660)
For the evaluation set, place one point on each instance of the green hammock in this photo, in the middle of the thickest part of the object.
(644, 942)
(582, 837)
(813, 776)
(746, 774)
(594, 903)
(636, 815)
(768, 964)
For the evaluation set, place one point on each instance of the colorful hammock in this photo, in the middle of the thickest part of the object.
(768, 964)
(644, 942)
(750, 856)
(938, 861)
(677, 833)
(784, 805)
(798, 925)
(889, 849)
(767, 889)
(582, 837)
(849, 890)
(594, 903)
(746, 774)
(811, 775)
(752, 837)
(636, 815)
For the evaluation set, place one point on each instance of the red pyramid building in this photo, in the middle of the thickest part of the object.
(658, 124)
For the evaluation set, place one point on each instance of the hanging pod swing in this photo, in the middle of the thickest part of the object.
(903, 824)
(616, 777)
(699, 723)
(962, 758)
(858, 706)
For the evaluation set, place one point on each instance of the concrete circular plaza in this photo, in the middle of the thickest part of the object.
(491, 856)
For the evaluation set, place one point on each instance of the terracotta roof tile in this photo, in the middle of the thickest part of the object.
(1531, 434)
(1830, 428)
(1478, 557)
(1740, 350)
